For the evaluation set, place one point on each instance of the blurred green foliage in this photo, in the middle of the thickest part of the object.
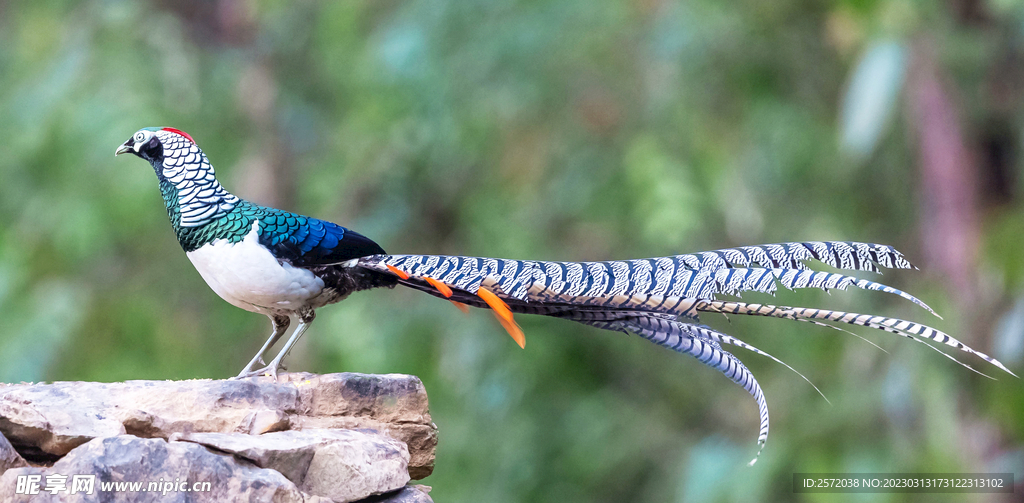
(547, 129)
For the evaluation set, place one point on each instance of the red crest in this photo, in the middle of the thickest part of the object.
(180, 132)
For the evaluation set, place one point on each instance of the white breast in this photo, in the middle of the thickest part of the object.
(248, 276)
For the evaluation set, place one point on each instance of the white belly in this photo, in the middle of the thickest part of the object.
(248, 276)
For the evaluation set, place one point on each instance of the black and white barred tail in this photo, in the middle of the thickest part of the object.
(702, 343)
(660, 298)
(904, 328)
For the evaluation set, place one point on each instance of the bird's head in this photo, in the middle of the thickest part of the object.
(190, 188)
(148, 143)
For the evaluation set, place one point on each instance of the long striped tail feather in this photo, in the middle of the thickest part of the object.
(656, 283)
(656, 276)
(722, 338)
(648, 296)
(697, 342)
(806, 278)
(662, 323)
(908, 329)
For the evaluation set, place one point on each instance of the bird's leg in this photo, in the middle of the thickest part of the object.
(306, 316)
(281, 323)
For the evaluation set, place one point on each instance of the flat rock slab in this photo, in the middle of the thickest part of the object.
(47, 421)
(343, 465)
(123, 467)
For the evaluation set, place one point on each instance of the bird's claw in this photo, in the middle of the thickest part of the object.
(272, 372)
(269, 370)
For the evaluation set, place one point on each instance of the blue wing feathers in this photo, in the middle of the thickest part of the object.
(307, 241)
(334, 234)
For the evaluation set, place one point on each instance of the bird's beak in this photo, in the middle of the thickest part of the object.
(124, 149)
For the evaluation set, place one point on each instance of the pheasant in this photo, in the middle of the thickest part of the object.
(281, 264)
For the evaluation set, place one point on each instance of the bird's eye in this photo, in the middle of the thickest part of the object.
(140, 137)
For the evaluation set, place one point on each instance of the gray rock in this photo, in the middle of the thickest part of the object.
(171, 466)
(46, 421)
(395, 405)
(49, 419)
(408, 494)
(344, 465)
(9, 458)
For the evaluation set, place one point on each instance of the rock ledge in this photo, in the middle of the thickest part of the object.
(316, 438)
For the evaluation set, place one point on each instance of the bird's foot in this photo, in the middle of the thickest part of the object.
(269, 370)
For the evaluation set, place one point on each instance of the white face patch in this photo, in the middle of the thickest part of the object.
(141, 137)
